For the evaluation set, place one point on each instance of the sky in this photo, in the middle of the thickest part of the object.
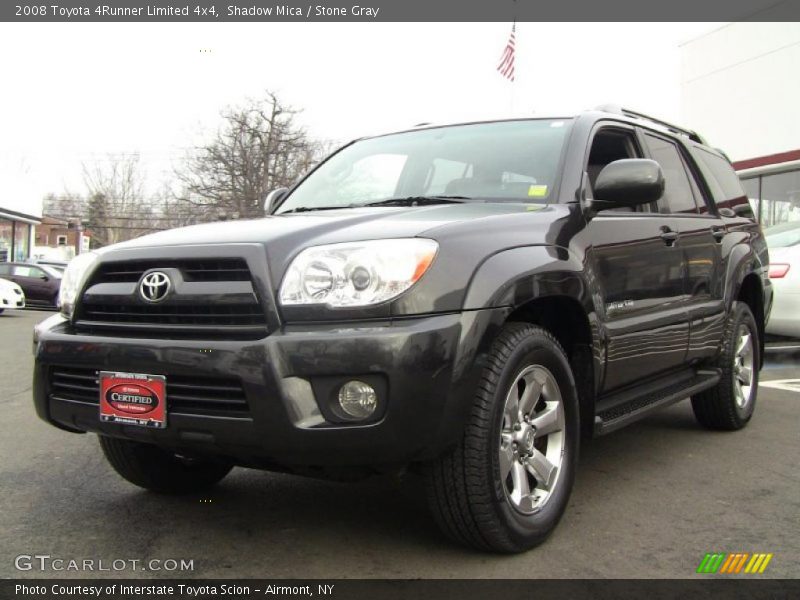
(73, 93)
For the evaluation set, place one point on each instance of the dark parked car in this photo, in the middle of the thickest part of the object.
(58, 265)
(40, 283)
(464, 300)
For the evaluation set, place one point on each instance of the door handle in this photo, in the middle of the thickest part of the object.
(718, 233)
(669, 236)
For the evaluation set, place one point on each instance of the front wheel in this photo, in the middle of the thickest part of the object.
(731, 403)
(506, 485)
(159, 470)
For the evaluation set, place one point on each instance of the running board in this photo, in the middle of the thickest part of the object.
(636, 408)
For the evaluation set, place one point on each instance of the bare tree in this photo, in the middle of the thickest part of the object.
(65, 206)
(116, 208)
(259, 147)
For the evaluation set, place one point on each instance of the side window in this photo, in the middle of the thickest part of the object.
(703, 200)
(22, 271)
(723, 173)
(678, 196)
(5, 269)
(609, 145)
(727, 188)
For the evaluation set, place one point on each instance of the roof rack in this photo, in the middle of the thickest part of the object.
(691, 134)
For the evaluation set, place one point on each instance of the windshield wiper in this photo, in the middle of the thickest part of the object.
(419, 201)
(407, 201)
(300, 209)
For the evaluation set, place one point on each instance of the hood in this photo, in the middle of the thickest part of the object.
(466, 233)
(7, 285)
(330, 226)
(286, 235)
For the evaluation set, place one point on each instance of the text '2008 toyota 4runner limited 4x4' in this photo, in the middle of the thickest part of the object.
(468, 299)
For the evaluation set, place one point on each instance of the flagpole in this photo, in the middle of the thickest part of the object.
(514, 78)
(506, 66)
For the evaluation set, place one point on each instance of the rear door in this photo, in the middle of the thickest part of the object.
(638, 267)
(701, 235)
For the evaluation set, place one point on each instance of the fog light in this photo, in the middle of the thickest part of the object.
(358, 399)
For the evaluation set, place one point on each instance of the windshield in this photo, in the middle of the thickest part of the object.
(51, 271)
(502, 161)
(783, 235)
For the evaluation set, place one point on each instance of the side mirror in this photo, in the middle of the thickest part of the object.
(273, 199)
(44, 278)
(628, 182)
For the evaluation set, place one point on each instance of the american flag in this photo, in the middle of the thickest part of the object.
(506, 66)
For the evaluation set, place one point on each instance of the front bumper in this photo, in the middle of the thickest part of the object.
(428, 367)
(11, 300)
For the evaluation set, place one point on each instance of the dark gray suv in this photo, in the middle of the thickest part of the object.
(464, 300)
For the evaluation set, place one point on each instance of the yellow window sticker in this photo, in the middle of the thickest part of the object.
(537, 191)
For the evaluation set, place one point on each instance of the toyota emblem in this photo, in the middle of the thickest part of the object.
(154, 286)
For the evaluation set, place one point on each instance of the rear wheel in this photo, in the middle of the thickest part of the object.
(506, 485)
(159, 470)
(731, 403)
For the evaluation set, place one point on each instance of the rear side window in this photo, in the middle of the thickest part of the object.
(721, 171)
(723, 182)
(678, 196)
(5, 269)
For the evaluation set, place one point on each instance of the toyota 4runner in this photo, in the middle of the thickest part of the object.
(468, 299)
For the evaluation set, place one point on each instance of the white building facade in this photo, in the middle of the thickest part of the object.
(740, 88)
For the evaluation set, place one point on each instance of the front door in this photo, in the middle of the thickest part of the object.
(638, 267)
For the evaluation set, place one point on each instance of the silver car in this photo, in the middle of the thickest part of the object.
(784, 272)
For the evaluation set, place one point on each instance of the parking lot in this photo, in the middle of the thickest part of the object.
(649, 501)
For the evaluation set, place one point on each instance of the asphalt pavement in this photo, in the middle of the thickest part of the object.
(649, 502)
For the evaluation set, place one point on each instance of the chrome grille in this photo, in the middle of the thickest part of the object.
(211, 297)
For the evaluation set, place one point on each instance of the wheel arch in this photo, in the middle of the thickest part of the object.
(751, 292)
(546, 286)
(565, 318)
(746, 284)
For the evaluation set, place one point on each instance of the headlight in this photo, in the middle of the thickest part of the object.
(356, 274)
(73, 279)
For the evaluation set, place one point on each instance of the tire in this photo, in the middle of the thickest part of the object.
(158, 470)
(478, 498)
(730, 405)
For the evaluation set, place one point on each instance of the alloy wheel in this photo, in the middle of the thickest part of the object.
(532, 439)
(743, 366)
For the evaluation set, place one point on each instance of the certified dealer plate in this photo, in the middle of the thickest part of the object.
(133, 399)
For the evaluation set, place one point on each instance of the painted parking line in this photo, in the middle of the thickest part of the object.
(787, 385)
(781, 348)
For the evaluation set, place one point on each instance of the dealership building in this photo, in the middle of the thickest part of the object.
(16, 234)
(741, 91)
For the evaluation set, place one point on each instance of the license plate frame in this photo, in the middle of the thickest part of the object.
(136, 399)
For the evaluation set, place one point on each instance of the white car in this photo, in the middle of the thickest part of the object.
(784, 272)
(11, 295)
